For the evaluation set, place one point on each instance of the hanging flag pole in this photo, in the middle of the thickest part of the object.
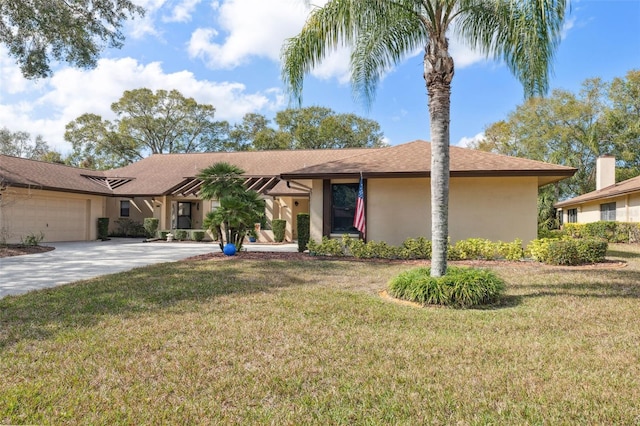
(359, 221)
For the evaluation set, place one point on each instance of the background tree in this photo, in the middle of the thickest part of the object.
(574, 130)
(147, 123)
(239, 209)
(303, 128)
(322, 128)
(382, 33)
(20, 144)
(74, 31)
(622, 120)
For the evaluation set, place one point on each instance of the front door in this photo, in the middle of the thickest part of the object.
(184, 215)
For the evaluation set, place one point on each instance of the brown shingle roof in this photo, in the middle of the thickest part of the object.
(621, 188)
(165, 173)
(22, 172)
(162, 173)
(414, 159)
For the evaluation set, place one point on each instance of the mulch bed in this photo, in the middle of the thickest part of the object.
(19, 250)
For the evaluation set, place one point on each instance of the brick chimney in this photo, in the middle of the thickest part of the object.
(605, 171)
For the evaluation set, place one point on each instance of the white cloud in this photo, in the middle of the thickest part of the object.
(466, 142)
(11, 80)
(464, 56)
(182, 11)
(142, 26)
(72, 92)
(568, 24)
(251, 28)
(258, 28)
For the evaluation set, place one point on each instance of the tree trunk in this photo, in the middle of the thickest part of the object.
(438, 72)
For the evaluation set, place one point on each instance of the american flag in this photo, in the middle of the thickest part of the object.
(359, 220)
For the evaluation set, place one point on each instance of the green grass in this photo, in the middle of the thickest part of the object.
(311, 342)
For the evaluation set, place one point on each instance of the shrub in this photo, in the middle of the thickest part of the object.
(327, 247)
(510, 251)
(562, 252)
(163, 235)
(279, 227)
(197, 235)
(32, 239)
(568, 251)
(591, 250)
(180, 234)
(460, 287)
(304, 224)
(574, 230)
(416, 248)
(130, 228)
(634, 232)
(550, 233)
(475, 248)
(103, 228)
(371, 249)
(151, 226)
(602, 229)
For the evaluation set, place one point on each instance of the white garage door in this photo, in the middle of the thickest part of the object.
(59, 219)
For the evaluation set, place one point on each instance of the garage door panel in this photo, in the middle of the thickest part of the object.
(59, 219)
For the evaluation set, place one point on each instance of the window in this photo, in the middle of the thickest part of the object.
(343, 207)
(124, 208)
(608, 211)
(184, 215)
(572, 216)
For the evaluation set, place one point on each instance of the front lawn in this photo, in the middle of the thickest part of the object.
(311, 342)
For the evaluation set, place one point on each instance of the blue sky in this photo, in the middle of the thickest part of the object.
(226, 53)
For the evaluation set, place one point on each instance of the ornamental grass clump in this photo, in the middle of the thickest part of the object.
(459, 288)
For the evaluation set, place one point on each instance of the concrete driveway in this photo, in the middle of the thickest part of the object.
(76, 261)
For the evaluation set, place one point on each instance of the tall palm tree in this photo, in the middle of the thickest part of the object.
(523, 33)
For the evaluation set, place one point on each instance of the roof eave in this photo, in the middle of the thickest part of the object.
(555, 175)
(107, 193)
(579, 200)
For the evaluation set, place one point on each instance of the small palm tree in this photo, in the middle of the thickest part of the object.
(239, 208)
(381, 33)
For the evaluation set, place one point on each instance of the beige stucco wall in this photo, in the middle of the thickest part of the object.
(163, 208)
(288, 209)
(315, 210)
(633, 207)
(499, 209)
(139, 209)
(60, 216)
(493, 208)
(397, 209)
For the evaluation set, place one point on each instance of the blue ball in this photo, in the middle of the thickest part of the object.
(229, 249)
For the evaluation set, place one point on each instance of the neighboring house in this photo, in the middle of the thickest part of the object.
(491, 196)
(610, 201)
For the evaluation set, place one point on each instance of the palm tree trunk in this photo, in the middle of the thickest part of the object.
(438, 72)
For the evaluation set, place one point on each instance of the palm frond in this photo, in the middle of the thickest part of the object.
(381, 47)
(356, 24)
(525, 34)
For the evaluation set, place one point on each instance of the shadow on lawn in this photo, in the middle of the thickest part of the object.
(623, 254)
(43, 314)
(601, 284)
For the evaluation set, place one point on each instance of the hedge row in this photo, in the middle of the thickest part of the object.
(613, 232)
(568, 251)
(416, 248)
(554, 251)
